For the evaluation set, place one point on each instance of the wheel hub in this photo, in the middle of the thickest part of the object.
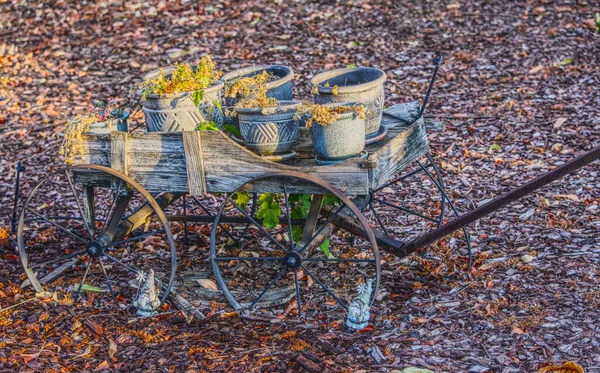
(293, 260)
(94, 249)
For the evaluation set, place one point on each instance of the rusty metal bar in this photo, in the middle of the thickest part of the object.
(498, 202)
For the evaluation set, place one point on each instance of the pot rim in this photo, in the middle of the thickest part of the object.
(219, 84)
(283, 107)
(272, 84)
(317, 79)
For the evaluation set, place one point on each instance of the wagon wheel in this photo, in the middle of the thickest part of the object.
(78, 231)
(394, 217)
(309, 267)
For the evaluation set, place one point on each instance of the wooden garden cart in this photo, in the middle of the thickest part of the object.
(112, 212)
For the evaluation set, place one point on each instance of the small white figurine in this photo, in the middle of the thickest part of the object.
(358, 312)
(147, 300)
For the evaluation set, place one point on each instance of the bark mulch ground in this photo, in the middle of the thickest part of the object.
(519, 92)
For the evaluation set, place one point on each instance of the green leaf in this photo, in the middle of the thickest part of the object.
(330, 200)
(197, 97)
(567, 61)
(493, 148)
(218, 105)
(207, 126)
(351, 66)
(92, 288)
(598, 22)
(269, 210)
(242, 199)
(325, 247)
(231, 129)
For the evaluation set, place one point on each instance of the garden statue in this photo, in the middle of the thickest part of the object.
(147, 300)
(358, 312)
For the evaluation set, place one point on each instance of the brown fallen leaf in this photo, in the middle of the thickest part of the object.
(535, 70)
(207, 284)
(112, 349)
(516, 330)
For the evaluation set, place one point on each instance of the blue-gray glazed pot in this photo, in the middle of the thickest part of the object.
(271, 130)
(345, 138)
(280, 89)
(101, 128)
(177, 112)
(363, 85)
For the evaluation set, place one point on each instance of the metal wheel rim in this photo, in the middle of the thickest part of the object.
(152, 202)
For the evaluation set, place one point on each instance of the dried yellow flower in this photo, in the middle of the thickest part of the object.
(242, 87)
(324, 115)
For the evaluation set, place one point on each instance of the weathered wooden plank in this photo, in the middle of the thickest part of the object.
(229, 165)
(118, 151)
(404, 148)
(192, 143)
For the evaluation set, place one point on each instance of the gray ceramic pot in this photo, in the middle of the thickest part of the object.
(342, 139)
(362, 85)
(101, 128)
(177, 112)
(269, 131)
(280, 89)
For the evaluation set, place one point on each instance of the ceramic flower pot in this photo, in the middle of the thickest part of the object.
(271, 130)
(177, 112)
(100, 128)
(363, 85)
(280, 88)
(345, 138)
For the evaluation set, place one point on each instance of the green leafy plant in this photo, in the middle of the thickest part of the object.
(242, 199)
(269, 210)
(598, 23)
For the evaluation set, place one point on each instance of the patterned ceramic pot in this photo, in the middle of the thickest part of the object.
(269, 131)
(362, 85)
(107, 127)
(342, 139)
(177, 112)
(280, 89)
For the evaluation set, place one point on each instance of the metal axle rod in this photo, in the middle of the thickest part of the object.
(498, 202)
